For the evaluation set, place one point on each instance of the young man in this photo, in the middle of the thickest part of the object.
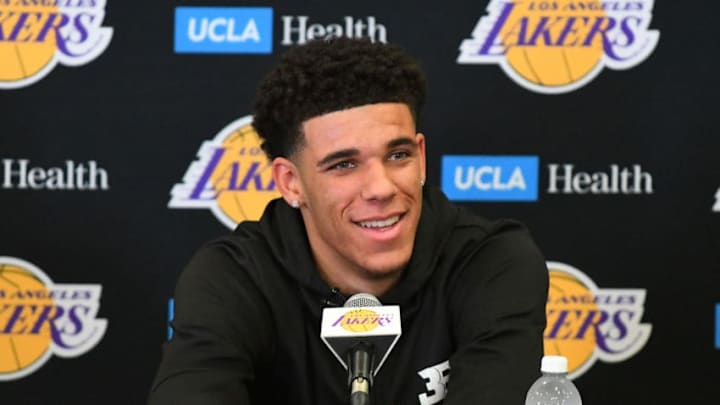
(338, 118)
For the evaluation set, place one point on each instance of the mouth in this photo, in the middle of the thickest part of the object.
(380, 224)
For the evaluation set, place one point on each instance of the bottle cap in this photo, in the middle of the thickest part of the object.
(553, 364)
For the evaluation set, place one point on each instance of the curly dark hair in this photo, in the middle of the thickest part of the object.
(331, 75)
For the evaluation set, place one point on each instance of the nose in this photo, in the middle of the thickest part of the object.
(378, 185)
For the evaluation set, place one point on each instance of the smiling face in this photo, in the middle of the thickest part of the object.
(357, 176)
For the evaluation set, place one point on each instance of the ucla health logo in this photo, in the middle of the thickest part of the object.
(223, 29)
(35, 36)
(39, 318)
(586, 323)
(231, 177)
(490, 178)
(561, 45)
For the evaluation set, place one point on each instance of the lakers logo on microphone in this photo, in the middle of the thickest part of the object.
(39, 318)
(344, 327)
(586, 323)
(556, 46)
(231, 176)
(362, 320)
(35, 36)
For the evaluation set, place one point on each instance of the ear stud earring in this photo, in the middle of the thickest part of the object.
(295, 204)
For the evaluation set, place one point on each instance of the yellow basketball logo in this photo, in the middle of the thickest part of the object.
(231, 177)
(556, 46)
(585, 323)
(35, 36)
(566, 335)
(20, 349)
(546, 63)
(33, 311)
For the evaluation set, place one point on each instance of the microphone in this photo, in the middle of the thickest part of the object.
(358, 334)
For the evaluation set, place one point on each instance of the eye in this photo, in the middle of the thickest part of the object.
(399, 155)
(344, 165)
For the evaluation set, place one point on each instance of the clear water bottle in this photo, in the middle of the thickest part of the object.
(554, 387)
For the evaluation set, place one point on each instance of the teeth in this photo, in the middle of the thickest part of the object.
(380, 224)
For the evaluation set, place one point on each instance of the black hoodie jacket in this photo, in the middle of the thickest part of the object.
(248, 309)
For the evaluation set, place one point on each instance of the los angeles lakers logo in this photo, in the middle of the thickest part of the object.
(586, 323)
(36, 35)
(557, 46)
(362, 320)
(231, 177)
(39, 318)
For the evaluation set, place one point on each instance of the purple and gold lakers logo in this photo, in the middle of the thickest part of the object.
(362, 320)
(557, 46)
(39, 318)
(231, 178)
(36, 35)
(586, 323)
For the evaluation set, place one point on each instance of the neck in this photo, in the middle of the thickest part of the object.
(353, 282)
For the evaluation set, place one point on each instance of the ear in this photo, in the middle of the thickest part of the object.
(420, 138)
(286, 177)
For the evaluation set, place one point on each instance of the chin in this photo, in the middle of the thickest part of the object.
(383, 266)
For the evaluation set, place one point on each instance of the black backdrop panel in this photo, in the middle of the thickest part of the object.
(102, 118)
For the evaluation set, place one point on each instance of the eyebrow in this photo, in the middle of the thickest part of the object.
(350, 152)
(338, 155)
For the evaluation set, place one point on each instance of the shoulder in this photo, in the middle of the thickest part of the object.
(248, 249)
(500, 236)
(252, 259)
(219, 268)
(461, 224)
(499, 245)
(467, 241)
(485, 252)
(499, 271)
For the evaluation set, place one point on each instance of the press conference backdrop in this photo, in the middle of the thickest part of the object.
(125, 144)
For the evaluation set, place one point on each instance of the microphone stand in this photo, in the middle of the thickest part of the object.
(361, 361)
